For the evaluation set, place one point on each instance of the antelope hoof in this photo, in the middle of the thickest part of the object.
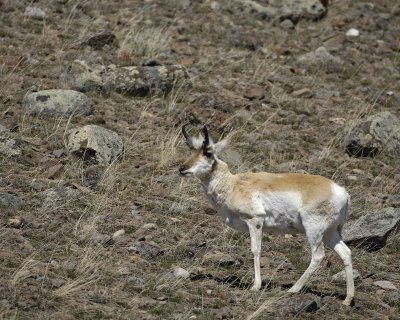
(255, 287)
(347, 302)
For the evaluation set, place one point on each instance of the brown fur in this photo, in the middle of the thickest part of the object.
(313, 188)
(194, 157)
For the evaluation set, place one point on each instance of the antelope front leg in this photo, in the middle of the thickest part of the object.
(255, 229)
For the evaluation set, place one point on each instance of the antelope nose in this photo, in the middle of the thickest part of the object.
(181, 169)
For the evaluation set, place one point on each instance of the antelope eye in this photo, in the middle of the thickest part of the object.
(207, 154)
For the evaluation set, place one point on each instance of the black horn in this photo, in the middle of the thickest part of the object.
(206, 137)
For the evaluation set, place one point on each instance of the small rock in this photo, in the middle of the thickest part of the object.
(52, 171)
(14, 222)
(8, 147)
(221, 259)
(352, 32)
(351, 178)
(248, 40)
(147, 249)
(371, 230)
(35, 12)
(59, 153)
(139, 261)
(215, 5)
(57, 103)
(299, 303)
(162, 298)
(387, 285)
(208, 291)
(145, 231)
(288, 9)
(340, 277)
(9, 201)
(118, 234)
(99, 40)
(95, 143)
(378, 133)
(181, 273)
(287, 24)
(101, 238)
(304, 93)
(92, 175)
(335, 43)
(3, 128)
(320, 59)
(37, 186)
(254, 92)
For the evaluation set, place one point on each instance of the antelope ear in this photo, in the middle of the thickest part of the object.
(188, 139)
(221, 145)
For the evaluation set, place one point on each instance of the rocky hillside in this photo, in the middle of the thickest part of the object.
(95, 221)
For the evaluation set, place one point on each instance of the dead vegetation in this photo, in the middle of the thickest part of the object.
(62, 260)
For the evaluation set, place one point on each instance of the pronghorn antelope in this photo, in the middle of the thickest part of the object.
(284, 203)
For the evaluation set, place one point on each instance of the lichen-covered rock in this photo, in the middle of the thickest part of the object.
(57, 103)
(83, 78)
(371, 230)
(134, 80)
(288, 9)
(8, 146)
(9, 201)
(147, 80)
(320, 59)
(378, 133)
(95, 144)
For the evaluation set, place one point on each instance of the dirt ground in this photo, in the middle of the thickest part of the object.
(245, 79)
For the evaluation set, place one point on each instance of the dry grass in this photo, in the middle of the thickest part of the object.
(24, 271)
(144, 42)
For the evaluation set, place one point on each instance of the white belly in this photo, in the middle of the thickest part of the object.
(233, 220)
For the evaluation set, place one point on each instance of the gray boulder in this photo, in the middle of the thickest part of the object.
(57, 103)
(133, 80)
(83, 78)
(95, 144)
(371, 230)
(378, 133)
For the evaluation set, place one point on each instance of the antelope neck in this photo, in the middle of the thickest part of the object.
(218, 179)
